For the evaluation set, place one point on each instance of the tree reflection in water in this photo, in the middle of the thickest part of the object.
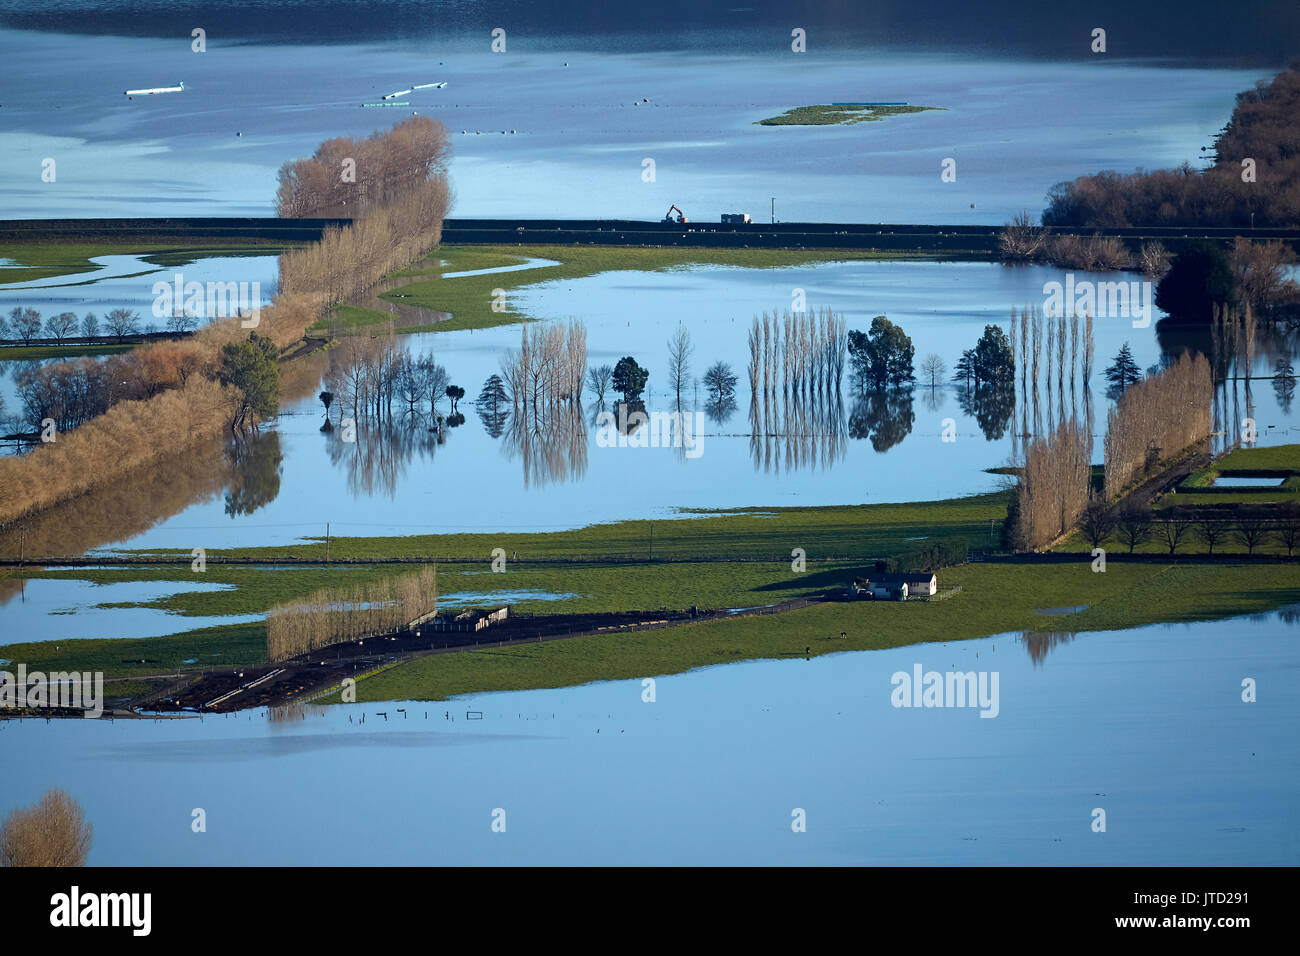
(719, 412)
(885, 417)
(256, 465)
(378, 458)
(123, 509)
(1040, 643)
(992, 407)
(794, 430)
(550, 441)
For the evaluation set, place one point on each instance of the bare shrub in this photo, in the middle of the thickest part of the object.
(1154, 259)
(1089, 253)
(51, 832)
(1023, 239)
(1260, 272)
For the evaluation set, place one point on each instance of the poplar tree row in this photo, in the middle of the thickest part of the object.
(548, 367)
(797, 352)
(1155, 419)
(337, 615)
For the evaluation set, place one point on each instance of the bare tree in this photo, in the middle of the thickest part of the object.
(598, 380)
(680, 350)
(60, 326)
(1251, 532)
(1260, 271)
(1096, 523)
(933, 368)
(1288, 527)
(1154, 259)
(1211, 532)
(182, 321)
(122, 322)
(1134, 526)
(1172, 531)
(26, 323)
(720, 382)
(90, 326)
(52, 832)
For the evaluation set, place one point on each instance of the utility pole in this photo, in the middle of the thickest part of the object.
(774, 210)
(327, 542)
(652, 540)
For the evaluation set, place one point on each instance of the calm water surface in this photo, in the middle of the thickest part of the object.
(1147, 724)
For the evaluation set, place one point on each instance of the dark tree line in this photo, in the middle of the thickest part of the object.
(1264, 129)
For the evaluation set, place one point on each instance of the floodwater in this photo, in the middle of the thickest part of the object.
(542, 131)
(473, 598)
(127, 282)
(1147, 725)
(51, 609)
(1236, 481)
(486, 478)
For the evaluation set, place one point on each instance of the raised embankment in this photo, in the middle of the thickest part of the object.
(975, 241)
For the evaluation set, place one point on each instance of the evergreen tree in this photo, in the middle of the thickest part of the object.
(993, 362)
(965, 370)
(630, 378)
(882, 357)
(1124, 371)
(252, 368)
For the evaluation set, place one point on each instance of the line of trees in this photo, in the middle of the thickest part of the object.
(1265, 191)
(549, 366)
(24, 325)
(1155, 419)
(1135, 525)
(130, 435)
(348, 260)
(171, 406)
(1054, 487)
(336, 615)
(1055, 358)
(797, 352)
(369, 376)
(346, 177)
